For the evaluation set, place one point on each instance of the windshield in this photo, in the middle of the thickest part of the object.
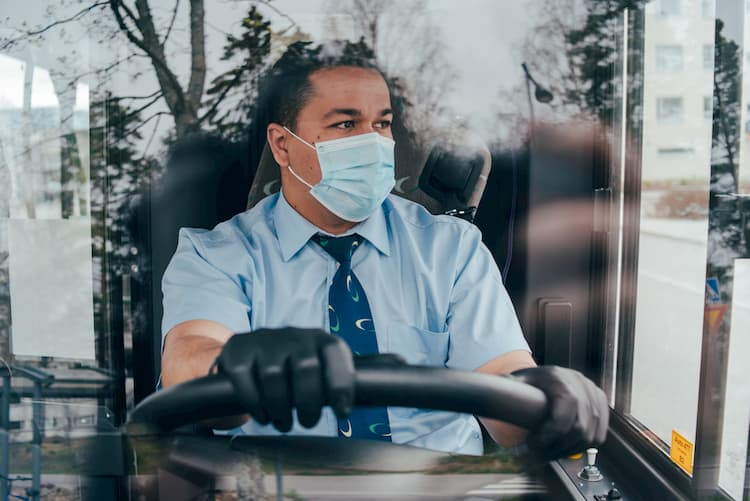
(600, 148)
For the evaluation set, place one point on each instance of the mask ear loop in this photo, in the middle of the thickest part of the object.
(295, 135)
(289, 166)
(298, 178)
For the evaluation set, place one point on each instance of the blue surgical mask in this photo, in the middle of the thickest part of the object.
(357, 174)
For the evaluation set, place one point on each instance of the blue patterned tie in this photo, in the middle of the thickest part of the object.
(351, 319)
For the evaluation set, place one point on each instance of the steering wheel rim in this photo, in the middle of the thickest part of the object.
(504, 398)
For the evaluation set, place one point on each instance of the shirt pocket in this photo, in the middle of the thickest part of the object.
(418, 346)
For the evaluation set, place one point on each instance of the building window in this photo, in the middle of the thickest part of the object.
(708, 56)
(668, 58)
(708, 107)
(669, 109)
(85, 420)
(676, 150)
(668, 7)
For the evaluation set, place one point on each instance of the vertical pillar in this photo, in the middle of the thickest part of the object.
(4, 433)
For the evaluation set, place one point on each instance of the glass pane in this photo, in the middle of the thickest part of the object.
(61, 372)
(737, 401)
(90, 125)
(673, 220)
(684, 394)
(734, 439)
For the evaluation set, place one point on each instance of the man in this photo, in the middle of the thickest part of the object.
(419, 286)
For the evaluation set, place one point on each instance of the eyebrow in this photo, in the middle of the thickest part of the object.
(352, 112)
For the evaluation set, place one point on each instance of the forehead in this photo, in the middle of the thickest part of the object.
(348, 87)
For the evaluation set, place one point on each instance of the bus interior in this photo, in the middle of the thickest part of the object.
(602, 147)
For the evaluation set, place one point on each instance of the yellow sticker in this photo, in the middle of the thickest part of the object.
(681, 452)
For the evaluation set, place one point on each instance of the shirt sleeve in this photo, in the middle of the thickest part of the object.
(481, 319)
(196, 288)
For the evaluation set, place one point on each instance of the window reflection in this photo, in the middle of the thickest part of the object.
(669, 109)
(668, 7)
(673, 219)
(42, 151)
(81, 149)
(669, 58)
(11, 82)
(737, 408)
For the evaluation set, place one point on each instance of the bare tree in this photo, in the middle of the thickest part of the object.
(574, 50)
(138, 26)
(193, 104)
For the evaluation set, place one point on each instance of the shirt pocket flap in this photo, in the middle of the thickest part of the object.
(418, 346)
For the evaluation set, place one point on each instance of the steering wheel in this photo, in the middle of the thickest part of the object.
(193, 456)
(497, 397)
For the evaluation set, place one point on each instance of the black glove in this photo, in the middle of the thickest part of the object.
(274, 370)
(578, 412)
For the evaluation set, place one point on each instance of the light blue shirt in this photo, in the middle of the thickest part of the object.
(434, 290)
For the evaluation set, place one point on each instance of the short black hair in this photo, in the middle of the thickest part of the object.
(287, 88)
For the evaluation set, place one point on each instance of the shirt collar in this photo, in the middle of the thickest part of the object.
(293, 230)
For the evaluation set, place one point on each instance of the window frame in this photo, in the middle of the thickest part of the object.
(638, 457)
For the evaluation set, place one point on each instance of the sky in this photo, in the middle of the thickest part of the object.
(481, 39)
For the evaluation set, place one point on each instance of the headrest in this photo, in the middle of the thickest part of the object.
(456, 175)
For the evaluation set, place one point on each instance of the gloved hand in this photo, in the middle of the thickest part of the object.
(274, 370)
(578, 412)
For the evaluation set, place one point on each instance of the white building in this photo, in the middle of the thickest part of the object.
(678, 93)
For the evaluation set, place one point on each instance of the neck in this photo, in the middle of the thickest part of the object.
(320, 217)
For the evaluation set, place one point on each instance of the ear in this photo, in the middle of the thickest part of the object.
(277, 141)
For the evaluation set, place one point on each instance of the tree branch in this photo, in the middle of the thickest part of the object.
(151, 139)
(129, 13)
(143, 123)
(173, 92)
(148, 96)
(220, 98)
(115, 6)
(198, 53)
(40, 31)
(279, 12)
(138, 110)
(150, 45)
(171, 23)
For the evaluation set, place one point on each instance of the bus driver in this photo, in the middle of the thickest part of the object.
(334, 252)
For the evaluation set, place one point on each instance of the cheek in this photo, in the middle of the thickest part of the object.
(308, 165)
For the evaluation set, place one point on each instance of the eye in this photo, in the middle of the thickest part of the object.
(347, 124)
(383, 124)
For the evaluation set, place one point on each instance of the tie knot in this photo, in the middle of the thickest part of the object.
(341, 248)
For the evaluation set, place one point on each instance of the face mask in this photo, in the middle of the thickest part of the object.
(357, 174)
